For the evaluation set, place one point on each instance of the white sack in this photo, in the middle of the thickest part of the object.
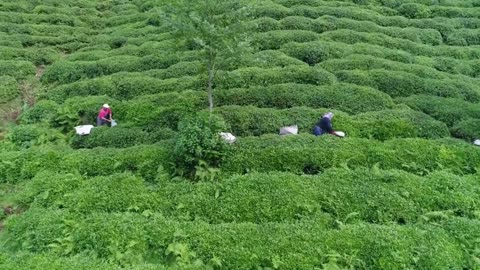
(228, 137)
(83, 130)
(289, 130)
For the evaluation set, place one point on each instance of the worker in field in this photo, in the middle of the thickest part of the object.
(104, 115)
(324, 125)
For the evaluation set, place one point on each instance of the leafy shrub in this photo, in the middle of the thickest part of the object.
(9, 89)
(198, 142)
(271, 9)
(120, 137)
(447, 110)
(117, 192)
(403, 84)
(243, 78)
(264, 24)
(467, 129)
(142, 160)
(48, 189)
(382, 125)
(358, 245)
(122, 86)
(22, 260)
(272, 40)
(375, 196)
(17, 69)
(34, 135)
(294, 153)
(414, 11)
(345, 97)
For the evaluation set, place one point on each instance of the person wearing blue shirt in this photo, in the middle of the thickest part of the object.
(324, 125)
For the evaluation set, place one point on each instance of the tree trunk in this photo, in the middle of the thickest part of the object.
(211, 73)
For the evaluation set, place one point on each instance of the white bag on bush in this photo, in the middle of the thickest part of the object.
(228, 137)
(289, 130)
(83, 130)
(339, 133)
(477, 142)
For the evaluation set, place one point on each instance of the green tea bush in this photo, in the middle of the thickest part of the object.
(122, 86)
(467, 129)
(375, 196)
(320, 51)
(403, 84)
(349, 98)
(426, 67)
(414, 11)
(389, 124)
(296, 153)
(43, 111)
(314, 52)
(264, 24)
(17, 69)
(271, 9)
(49, 189)
(198, 141)
(30, 135)
(52, 261)
(117, 192)
(267, 59)
(9, 89)
(447, 110)
(163, 109)
(120, 137)
(246, 77)
(352, 37)
(273, 40)
(358, 245)
(38, 56)
(382, 125)
(143, 160)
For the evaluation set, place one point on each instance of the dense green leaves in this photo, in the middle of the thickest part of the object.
(396, 193)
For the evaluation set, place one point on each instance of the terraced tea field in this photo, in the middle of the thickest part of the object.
(400, 191)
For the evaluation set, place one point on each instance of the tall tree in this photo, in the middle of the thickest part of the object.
(217, 28)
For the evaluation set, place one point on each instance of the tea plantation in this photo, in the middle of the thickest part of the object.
(161, 190)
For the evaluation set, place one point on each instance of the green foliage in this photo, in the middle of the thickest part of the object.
(9, 89)
(349, 98)
(121, 137)
(33, 135)
(414, 11)
(447, 110)
(396, 193)
(17, 69)
(198, 141)
(297, 153)
(110, 236)
(467, 129)
(381, 125)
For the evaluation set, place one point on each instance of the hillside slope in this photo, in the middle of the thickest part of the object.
(401, 191)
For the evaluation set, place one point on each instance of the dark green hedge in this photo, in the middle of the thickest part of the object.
(447, 110)
(143, 160)
(301, 245)
(302, 152)
(383, 125)
(17, 69)
(467, 129)
(349, 98)
(9, 89)
(120, 137)
(403, 84)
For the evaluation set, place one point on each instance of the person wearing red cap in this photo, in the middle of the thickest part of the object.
(104, 115)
